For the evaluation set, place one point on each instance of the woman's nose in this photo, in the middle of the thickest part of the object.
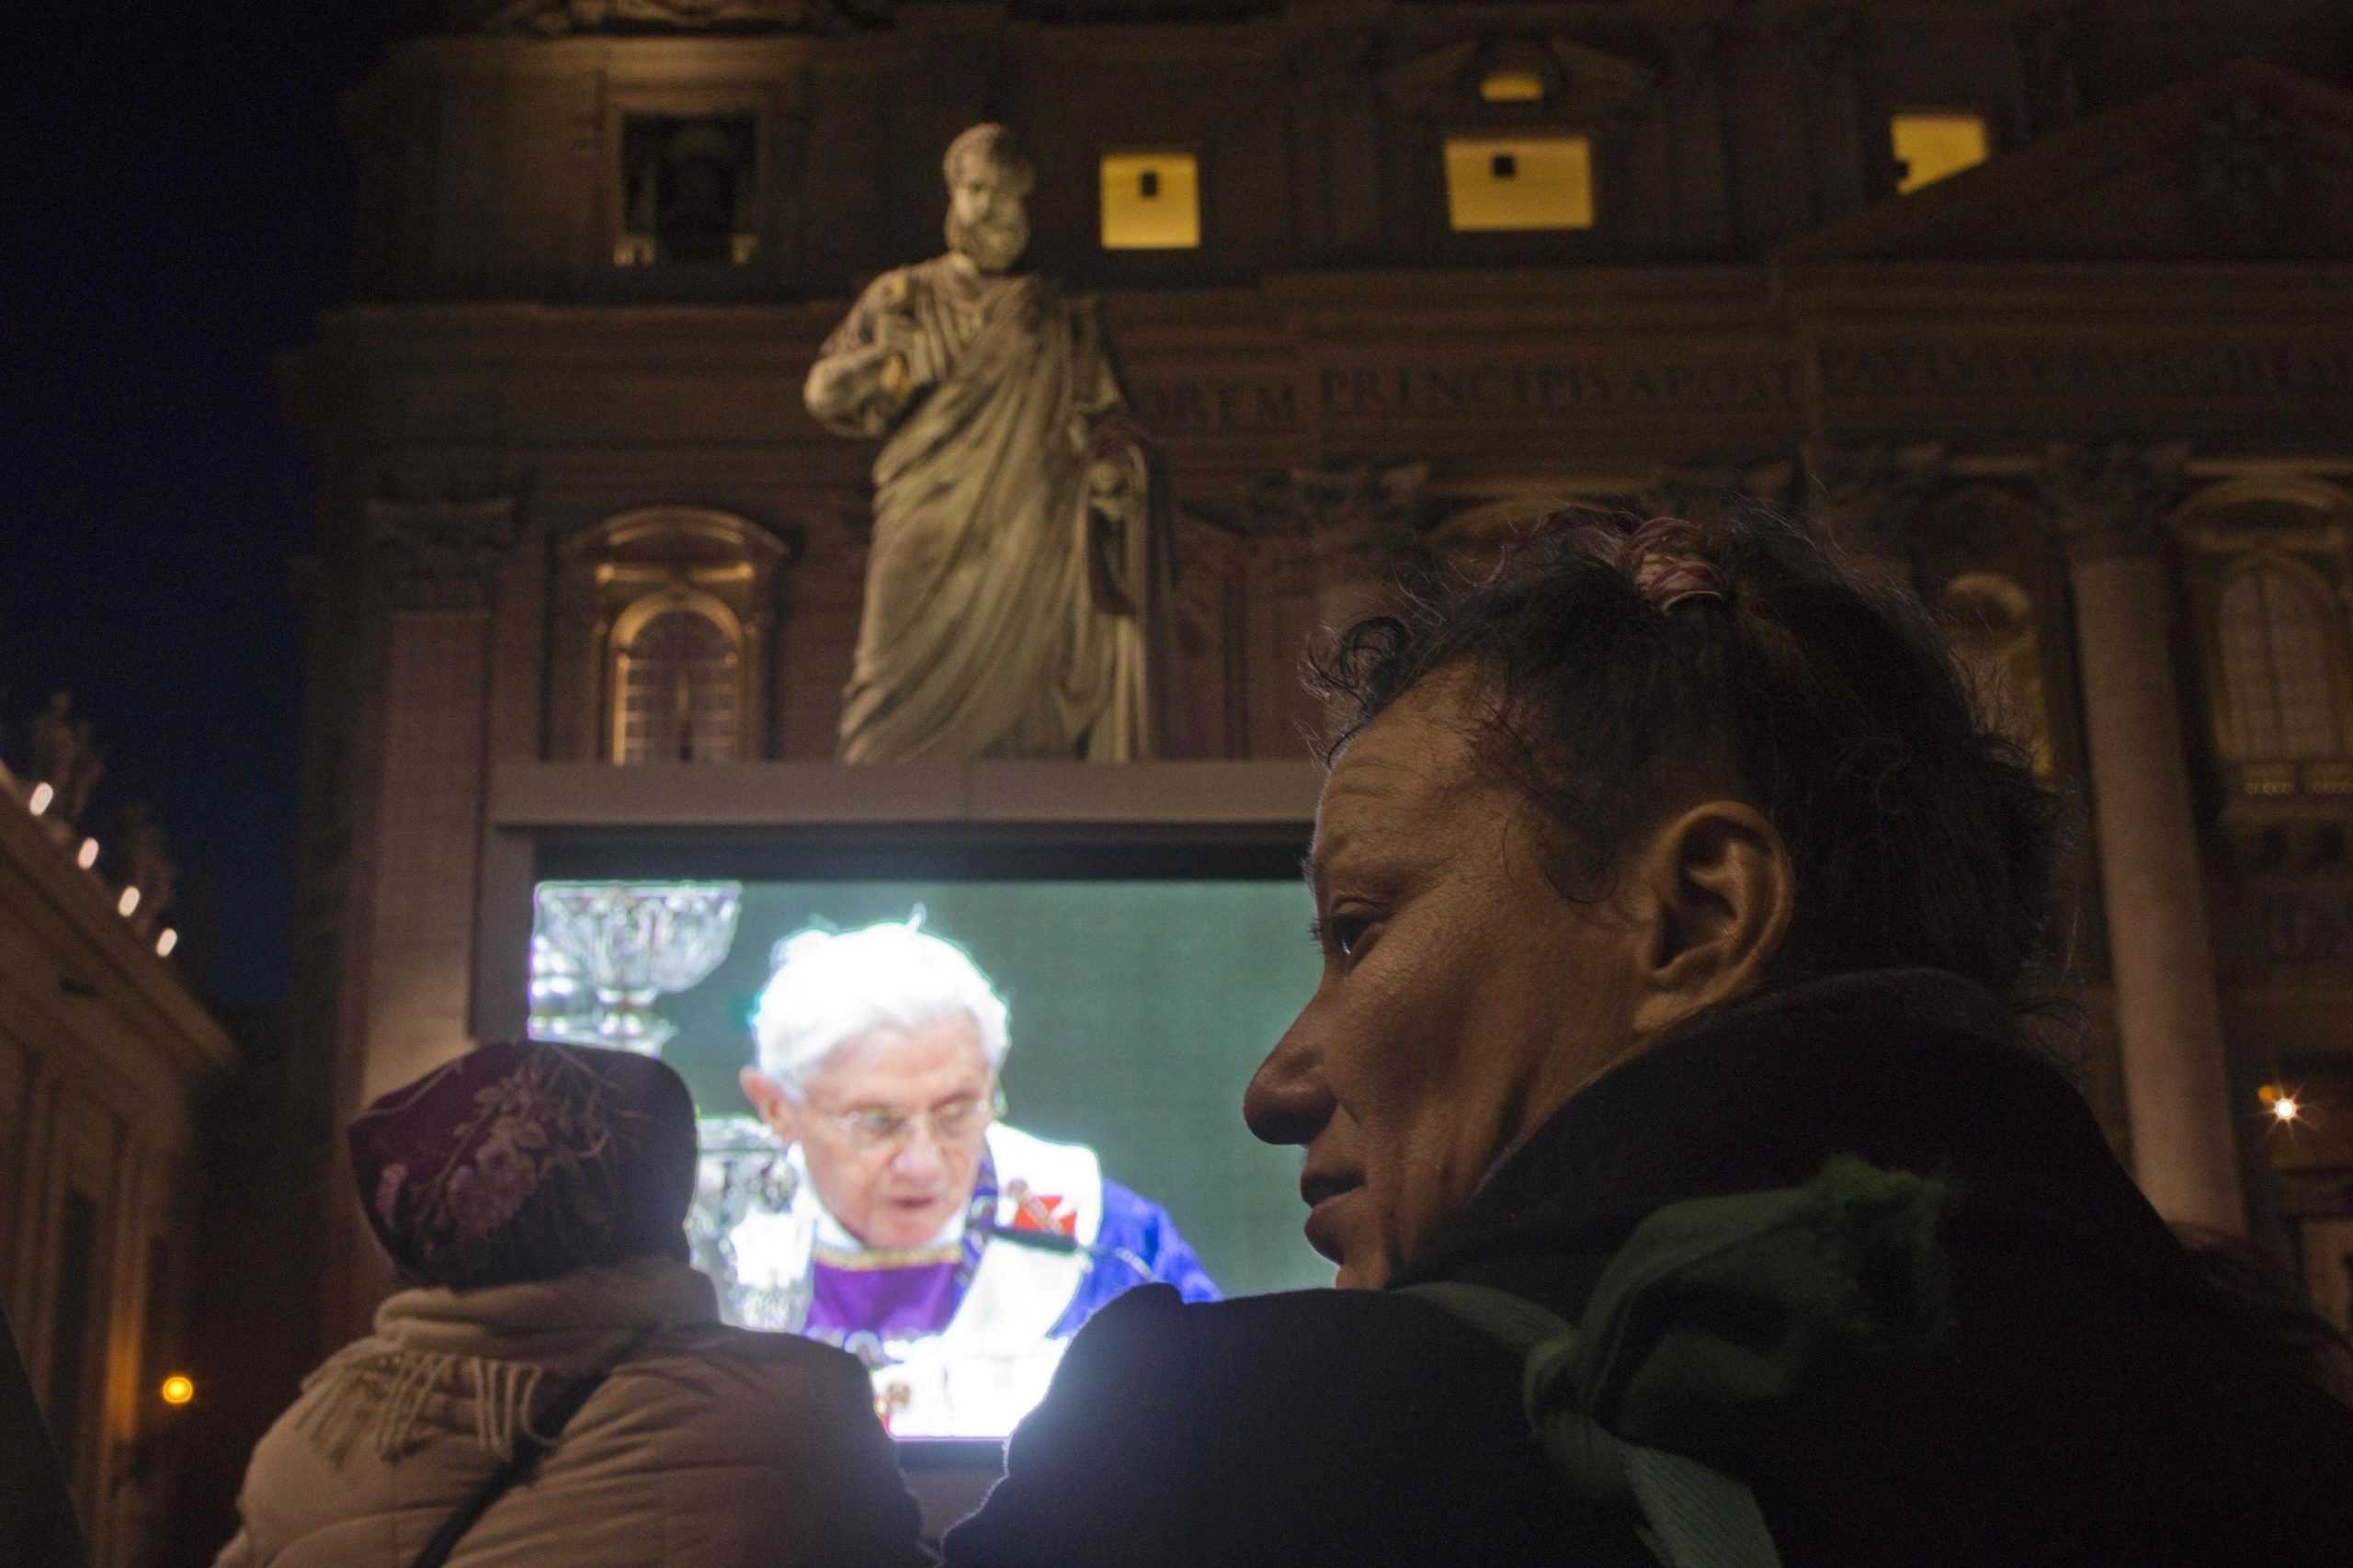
(1287, 1101)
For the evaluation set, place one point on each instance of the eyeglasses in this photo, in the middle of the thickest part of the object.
(871, 1128)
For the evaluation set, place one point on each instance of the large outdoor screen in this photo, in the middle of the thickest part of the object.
(1136, 1010)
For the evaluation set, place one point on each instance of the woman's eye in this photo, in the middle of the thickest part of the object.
(1341, 934)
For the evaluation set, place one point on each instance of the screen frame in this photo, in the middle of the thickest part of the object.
(819, 821)
(824, 822)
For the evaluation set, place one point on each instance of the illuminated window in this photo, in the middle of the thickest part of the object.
(664, 637)
(689, 188)
(1152, 201)
(2276, 674)
(1509, 85)
(1519, 182)
(1930, 146)
(1991, 622)
(676, 694)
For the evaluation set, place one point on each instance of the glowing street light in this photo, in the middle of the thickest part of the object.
(89, 856)
(178, 1389)
(127, 901)
(165, 940)
(39, 801)
(2281, 1102)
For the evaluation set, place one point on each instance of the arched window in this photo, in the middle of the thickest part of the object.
(1991, 621)
(665, 639)
(2276, 677)
(678, 691)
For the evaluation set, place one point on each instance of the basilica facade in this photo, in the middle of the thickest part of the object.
(2042, 309)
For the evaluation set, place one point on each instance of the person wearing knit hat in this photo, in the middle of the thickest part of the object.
(531, 1200)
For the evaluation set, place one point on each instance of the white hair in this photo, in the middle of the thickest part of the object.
(830, 987)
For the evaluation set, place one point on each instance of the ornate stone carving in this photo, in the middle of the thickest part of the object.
(2243, 175)
(1707, 492)
(1385, 505)
(1867, 498)
(441, 554)
(2112, 500)
(1584, 83)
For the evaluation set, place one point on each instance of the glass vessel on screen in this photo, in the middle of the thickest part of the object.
(630, 943)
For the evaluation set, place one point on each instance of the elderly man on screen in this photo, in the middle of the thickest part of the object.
(953, 1254)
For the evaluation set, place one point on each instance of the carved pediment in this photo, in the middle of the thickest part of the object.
(2248, 162)
(1580, 82)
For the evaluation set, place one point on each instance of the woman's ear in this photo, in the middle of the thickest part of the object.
(770, 1103)
(1721, 892)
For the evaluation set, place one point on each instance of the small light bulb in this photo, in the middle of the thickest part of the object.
(165, 940)
(178, 1389)
(127, 901)
(88, 857)
(2286, 1108)
(41, 796)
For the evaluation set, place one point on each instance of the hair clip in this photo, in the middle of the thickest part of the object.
(1662, 558)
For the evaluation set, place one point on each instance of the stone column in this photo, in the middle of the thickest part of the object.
(2109, 505)
(438, 565)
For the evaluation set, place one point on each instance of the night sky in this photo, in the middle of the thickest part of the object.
(181, 216)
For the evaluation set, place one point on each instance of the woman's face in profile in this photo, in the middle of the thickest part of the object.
(1463, 998)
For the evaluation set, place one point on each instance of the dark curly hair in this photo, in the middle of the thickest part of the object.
(1604, 671)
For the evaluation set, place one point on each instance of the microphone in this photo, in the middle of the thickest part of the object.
(1055, 1242)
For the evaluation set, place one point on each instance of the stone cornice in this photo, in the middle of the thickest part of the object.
(79, 907)
(1472, 372)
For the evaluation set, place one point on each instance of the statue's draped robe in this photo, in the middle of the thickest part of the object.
(1002, 617)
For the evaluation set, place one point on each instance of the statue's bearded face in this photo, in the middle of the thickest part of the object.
(988, 221)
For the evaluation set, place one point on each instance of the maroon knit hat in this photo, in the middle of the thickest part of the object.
(526, 1161)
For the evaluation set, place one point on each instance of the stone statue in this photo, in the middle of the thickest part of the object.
(64, 758)
(89, 766)
(54, 748)
(147, 865)
(1016, 595)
